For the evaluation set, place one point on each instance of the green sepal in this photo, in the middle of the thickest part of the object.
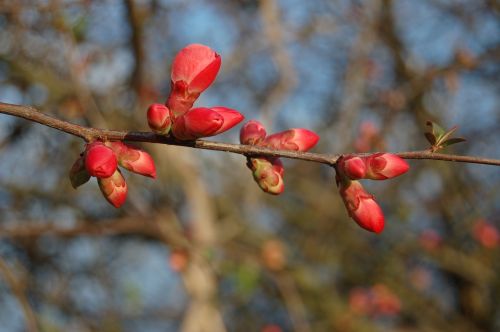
(78, 175)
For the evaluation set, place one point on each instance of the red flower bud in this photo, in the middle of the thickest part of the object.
(134, 159)
(352, 167)
(114, 188)
(381, 166)
(361, 206)
(159, 119)
(204, 122)
(292, 139)
(193, 70)
(252, 133)
(268, 174)
(231, 118)
(197, 65)
(100, 161)
(196, 123)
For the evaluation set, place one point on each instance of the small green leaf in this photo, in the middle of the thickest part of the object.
(78, 175)
(436, 129)
(452, 141)
(431, 138)
(447, 135)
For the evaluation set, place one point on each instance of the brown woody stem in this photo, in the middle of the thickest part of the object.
(91, 134)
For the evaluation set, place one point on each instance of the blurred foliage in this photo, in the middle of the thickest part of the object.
(365, 75)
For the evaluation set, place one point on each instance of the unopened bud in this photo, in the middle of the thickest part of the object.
(193, 70)
(231, 118)
(114, 188)
(352, 167)
(361, 206)
(159, 119)
(297, 139)
(204, 122)
(381, 166)
(252, 133)
(197, 65)
(100, 161)
(134, 159)
(196, 123)
(268, 174)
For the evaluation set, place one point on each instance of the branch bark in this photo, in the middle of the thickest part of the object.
(91, 134)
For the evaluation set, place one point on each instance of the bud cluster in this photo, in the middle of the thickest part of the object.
(267, 171)
(101, 160)
(361, 205)
(193, 71)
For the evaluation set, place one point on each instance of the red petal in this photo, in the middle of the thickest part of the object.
(352, 167)
(134, 159)
(362, 207)
(304, 139)
(252, 133)
(114, 189)
(381, 166)
(369, 215)
(206, 77)
(197, 65)
(196, 123)
(297, 139)
(158, 116)
(231, 118)
(100, 161)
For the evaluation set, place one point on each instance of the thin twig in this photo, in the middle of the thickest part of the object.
(91, 134)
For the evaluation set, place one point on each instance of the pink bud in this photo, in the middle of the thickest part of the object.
(193, 70)
(268, 174)
(196, 123)
(197, 65)
(352, 167)
(361, 206)
(231, 118)
(114, 188)
(100, 161)
(134, 159)
(159, 118)
(381, 166)
(292, 139)
(252, 133)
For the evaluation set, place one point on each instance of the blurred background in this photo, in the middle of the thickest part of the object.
(202, 248)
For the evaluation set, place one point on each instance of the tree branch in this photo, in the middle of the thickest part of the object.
(92, 134)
